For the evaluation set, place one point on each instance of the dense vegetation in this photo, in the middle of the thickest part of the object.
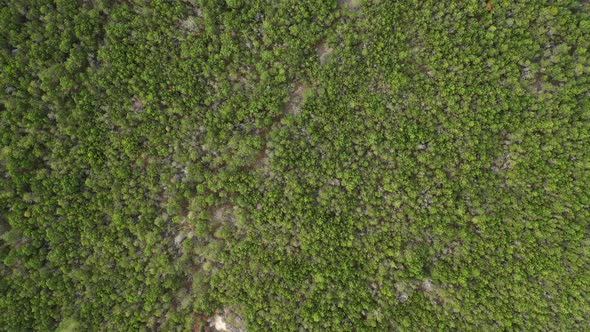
(318, 165)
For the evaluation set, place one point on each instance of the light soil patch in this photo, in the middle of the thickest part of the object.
(136, 105)
(296, 99)
(324, 50)
(381, 86)
(218, 323)
(223, 214)
(437, 293)
(538, 83)
(427, 285)
(351, 4)
(188, 24)
(503, 163)
(227, 321)
(263, 162)
(506, 160)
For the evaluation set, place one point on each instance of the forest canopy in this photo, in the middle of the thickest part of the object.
(322, 165)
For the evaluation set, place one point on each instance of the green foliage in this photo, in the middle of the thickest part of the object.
(316, 165)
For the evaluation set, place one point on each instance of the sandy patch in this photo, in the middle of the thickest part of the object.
(351, 4)
(136, 105)
(227, 321)
(503, 163)
(324, 50)
(223, 214)
(296, 99)
(218, 323)
(189, 24)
